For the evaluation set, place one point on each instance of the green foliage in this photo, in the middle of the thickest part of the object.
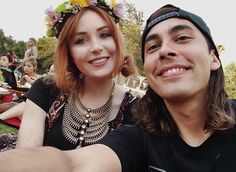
(6, 43)
(19, 48)
(46, 48)
(7, 129)
(230, 80)
(220, 48)
(131, 27)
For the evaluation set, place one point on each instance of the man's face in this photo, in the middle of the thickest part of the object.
(178, 62)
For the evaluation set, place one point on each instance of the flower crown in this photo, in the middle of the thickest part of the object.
(55, 19)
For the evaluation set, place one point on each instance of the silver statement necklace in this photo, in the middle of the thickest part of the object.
(82, 128)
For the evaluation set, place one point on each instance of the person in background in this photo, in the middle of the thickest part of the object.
(31, 50)
(7, 71)
(18, 110)
(51, 70)
(6, 61)
(80, 103)
(29, 72)
(11, 112)
(8, 81)
(186, 120)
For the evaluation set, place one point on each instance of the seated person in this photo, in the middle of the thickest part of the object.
(11, 112)
(29, 76)
(7, 72)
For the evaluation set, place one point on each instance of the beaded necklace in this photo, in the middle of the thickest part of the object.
(83, 129)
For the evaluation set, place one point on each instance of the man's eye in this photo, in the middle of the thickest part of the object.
(152, 47)
(183, 38)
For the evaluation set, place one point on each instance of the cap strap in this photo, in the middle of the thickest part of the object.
(162, 17)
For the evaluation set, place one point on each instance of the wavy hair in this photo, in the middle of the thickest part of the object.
(33, 40)
(67, 74)
(152, 113)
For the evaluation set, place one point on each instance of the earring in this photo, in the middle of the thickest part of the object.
(81, 76)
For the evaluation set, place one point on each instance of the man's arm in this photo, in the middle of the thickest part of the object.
(95, 158)
(44, 159)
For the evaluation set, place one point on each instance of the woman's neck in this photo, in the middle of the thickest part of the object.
(95, 94)
(31, 74)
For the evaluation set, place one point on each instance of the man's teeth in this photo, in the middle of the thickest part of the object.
(174, 70)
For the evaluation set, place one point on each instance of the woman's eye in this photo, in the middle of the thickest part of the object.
(105, 35)
(80, 41)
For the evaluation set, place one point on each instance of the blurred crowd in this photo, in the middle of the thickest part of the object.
(16, 77)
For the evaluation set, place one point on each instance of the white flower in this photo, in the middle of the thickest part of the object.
(109, 3)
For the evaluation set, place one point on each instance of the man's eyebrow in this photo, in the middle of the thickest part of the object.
(179, 28)
(172, 30)
(151, 37)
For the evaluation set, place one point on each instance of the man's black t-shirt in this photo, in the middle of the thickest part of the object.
(139, 151)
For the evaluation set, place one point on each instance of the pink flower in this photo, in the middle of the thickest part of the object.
(119, 9)
(93, 1)
(51, 17)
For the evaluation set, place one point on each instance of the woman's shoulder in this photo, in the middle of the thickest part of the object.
(43, 92)
(124, 115)
(126, 99)
(45, 83)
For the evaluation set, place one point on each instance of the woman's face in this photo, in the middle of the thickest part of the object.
(4, 61)
(51, 70)
(93, 48)
(30, 43)
(29, 68)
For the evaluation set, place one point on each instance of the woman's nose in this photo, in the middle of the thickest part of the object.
(96, 46)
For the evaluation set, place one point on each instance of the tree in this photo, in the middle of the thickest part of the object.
(220, 48)
(19, 48)
(46, 47)
(131, 27)
(6, 43)
(230, 80)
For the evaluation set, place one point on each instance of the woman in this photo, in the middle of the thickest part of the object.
(11, 111)
(29, 76)
(32, 50)
(51, 70)
(81, 103)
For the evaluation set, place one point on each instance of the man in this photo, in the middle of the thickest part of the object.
(186, 122)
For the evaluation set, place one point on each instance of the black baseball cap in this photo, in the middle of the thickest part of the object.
(171, 11)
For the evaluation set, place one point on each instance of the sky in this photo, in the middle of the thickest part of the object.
(25, 18)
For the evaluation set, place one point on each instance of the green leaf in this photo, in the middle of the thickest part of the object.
(61, 8)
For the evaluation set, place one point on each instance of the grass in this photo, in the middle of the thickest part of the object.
(4, 129)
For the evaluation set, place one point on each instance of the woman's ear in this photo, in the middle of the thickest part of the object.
(215, 63)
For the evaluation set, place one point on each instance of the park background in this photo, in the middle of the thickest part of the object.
(23, 19)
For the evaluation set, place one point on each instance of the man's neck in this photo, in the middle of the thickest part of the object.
(190, 116)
